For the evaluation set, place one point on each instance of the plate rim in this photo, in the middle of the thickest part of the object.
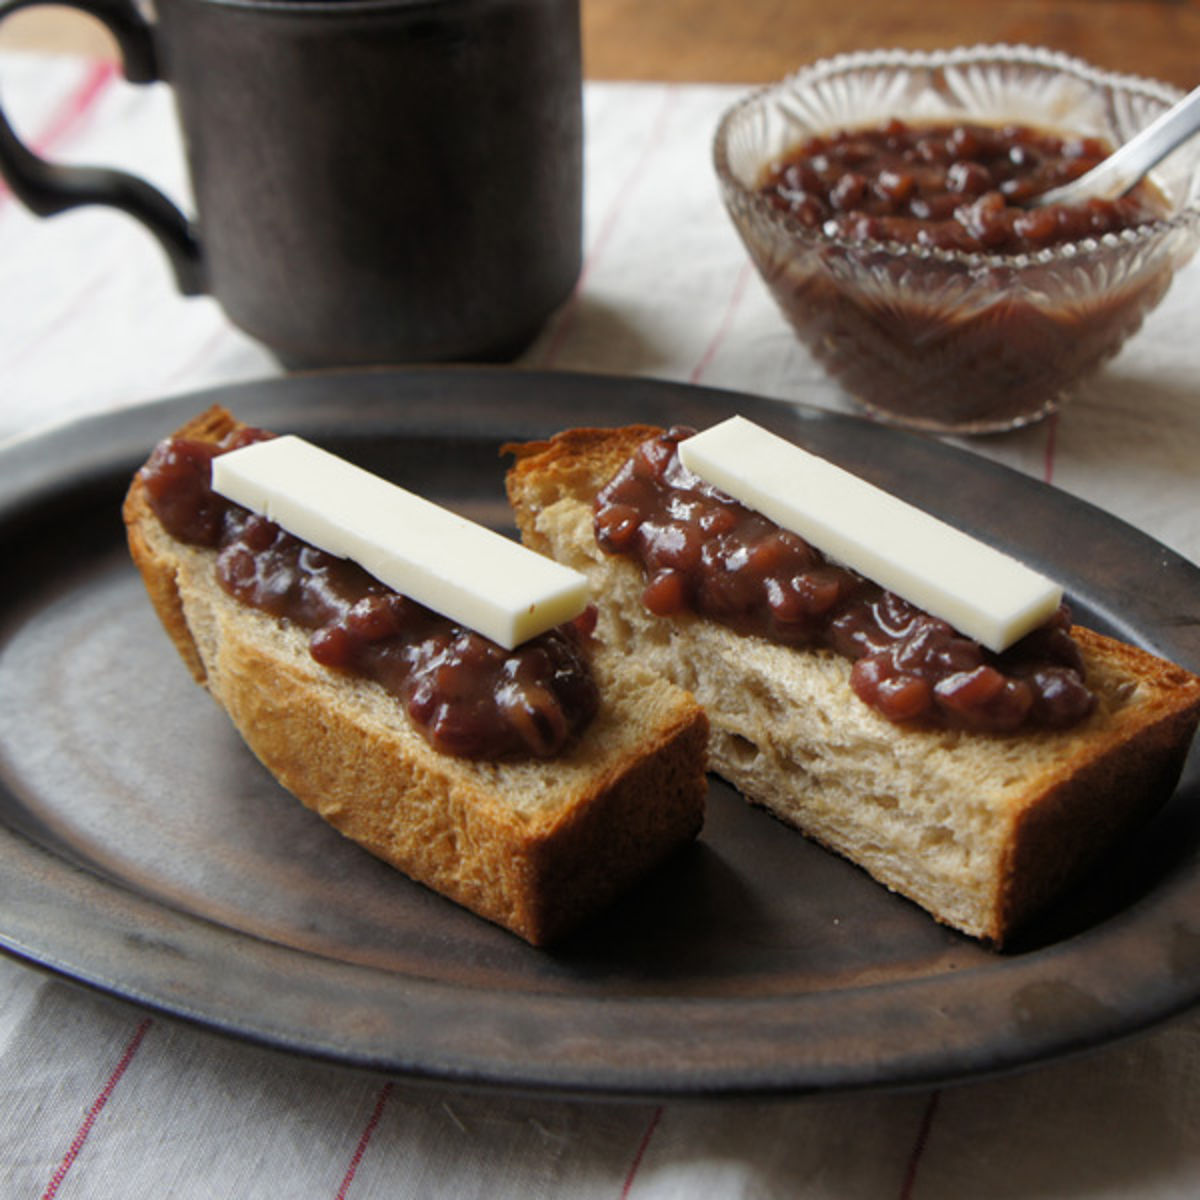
(102, 438)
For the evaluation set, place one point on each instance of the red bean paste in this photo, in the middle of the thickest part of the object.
(467, 696)
(950, 187)
(704, 553)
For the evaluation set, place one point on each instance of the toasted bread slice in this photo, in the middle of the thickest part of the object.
(982, 830)
(534, 846)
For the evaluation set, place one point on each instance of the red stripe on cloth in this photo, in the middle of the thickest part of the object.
(72, 110)
(918, 1150)
(735, 299)
(76, 106)
(634, 1166)
(98, 1104)
(365, 1140)
(566, 315)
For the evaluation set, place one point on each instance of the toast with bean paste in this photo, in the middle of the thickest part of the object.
(981, 795)
(588, 789)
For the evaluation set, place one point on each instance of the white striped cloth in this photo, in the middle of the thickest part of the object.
(99, 1100)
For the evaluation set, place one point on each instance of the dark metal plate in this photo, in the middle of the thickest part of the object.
(145, 853)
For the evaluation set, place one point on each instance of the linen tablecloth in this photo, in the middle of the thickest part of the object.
(99, 1099)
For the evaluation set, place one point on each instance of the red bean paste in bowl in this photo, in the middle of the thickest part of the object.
(467, 696)
(704, 553)
(907, 259)
(960, 187)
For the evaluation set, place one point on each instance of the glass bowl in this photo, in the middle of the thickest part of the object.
(949, 341)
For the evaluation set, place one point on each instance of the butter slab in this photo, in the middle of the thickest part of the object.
(982, 592)
(454, 566)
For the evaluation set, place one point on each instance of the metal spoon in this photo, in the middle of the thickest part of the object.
(1125, 166)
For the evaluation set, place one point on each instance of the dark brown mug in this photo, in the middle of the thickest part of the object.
(374, 180)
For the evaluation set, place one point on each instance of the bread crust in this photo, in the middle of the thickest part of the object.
(534, 846)
(982, 830)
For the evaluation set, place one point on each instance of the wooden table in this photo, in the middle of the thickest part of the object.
(762, 40)
(750, 41)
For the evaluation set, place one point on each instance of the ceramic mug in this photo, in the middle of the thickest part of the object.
(374, 180)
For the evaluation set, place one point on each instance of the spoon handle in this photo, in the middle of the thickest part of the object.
(1122, 169)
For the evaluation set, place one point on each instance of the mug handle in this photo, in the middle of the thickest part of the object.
(47, 188)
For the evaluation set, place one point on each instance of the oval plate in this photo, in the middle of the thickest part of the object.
(145, 853)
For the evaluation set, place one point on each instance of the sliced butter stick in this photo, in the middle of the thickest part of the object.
(981, 592)
(464, 571)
